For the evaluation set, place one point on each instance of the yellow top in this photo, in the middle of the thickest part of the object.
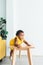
(12, 41)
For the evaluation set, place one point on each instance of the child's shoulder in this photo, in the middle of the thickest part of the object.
(15, 38)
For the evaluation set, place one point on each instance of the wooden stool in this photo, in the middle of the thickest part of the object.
(27, 48)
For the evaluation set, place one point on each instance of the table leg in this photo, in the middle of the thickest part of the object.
(29, 57)
(14, 57)
(19, 53)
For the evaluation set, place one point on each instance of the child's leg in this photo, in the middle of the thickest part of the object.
(11, 52)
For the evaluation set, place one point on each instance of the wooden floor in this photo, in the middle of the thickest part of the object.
(23, 61)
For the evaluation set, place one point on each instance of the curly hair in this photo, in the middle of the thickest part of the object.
(19, 31)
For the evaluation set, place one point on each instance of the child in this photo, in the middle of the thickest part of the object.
(18, 40)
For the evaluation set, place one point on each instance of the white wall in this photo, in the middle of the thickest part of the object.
(9, 18)
(3, 8)
(28, 15)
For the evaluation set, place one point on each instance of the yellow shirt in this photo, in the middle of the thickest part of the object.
(12, 41)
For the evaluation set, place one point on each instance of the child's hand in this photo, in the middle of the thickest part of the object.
(28, 45)
(19, 46)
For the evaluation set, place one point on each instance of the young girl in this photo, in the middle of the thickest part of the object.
(18, 40)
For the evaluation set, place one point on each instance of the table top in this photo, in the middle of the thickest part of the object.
(22, 48)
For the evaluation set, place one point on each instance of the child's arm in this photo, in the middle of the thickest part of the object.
(26, 43)
(16, 43)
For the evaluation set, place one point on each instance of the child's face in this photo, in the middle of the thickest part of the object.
(21, 36)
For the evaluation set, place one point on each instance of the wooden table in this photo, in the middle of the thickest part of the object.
(28, 49)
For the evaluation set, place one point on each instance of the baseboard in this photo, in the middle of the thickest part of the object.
(32, 55)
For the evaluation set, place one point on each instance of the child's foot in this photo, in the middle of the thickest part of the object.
(10, 57)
